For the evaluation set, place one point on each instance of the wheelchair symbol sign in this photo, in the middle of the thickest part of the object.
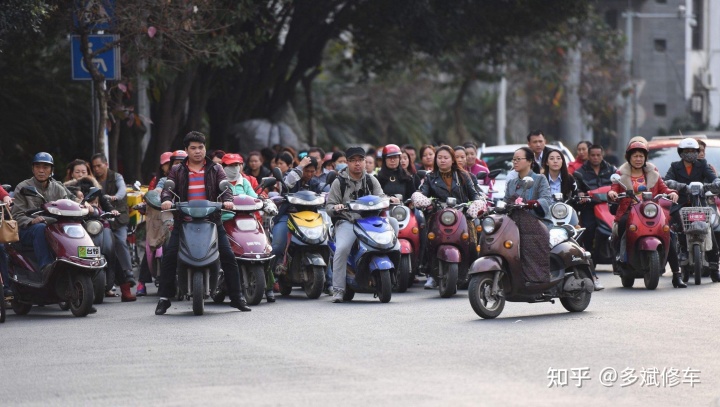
(107, 63)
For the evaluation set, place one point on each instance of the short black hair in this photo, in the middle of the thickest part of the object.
(313, 163)
(286, 157)
(193, 136)
(586, 142)
(101, 156)
(470, 144)
(408, 147)
(336, 155)
(596, 147)
(317, 150)
(535, 133)
(218, 154)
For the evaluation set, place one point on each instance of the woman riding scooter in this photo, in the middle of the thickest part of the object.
(637, 172)
(446, 180)
(394, 180)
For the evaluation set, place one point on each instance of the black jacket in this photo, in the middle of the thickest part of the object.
(462, 187)
(595, 181)
(701, 172)
(213, 175)
(394, 182)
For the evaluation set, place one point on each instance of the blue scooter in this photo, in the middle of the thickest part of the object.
(371, 264)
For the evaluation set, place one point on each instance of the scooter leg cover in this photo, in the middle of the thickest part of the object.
(534, 247)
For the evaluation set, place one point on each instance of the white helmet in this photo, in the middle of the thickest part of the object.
(688, 142)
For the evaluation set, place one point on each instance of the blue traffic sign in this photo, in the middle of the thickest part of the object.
(108, 63)
(95, 14)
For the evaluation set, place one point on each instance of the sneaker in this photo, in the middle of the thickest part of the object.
(270, 296)
(598, 285)
(430, 283)
(141, 291)
(162, 306)
(338, 296)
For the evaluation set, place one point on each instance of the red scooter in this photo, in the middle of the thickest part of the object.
(409, 238)
(602, 250)
(69, 277)
(646, 238)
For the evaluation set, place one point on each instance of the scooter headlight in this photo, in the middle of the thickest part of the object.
(448, 218)
(93, 227)
(313, 233)
(74, 231)
(559, 211)
(382, 238)
(650, 210)
(399, 213)
(488, 225)
(557, 236)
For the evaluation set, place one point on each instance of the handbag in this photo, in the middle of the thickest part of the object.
(8, 227)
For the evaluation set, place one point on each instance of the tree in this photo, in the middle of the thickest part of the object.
(21, 17)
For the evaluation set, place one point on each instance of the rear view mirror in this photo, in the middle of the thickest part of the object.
(277, 174)
(225, 185)
(267, 182)
(169, 185)
(495, 173)
(481, 175)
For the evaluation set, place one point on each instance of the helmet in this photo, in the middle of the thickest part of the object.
(230, 159)
(688, 143)
(165, 157)
(178, 155)
(635, 145)
(43, 158)
(391, 150)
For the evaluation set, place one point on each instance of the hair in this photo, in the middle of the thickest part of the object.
(535, 133)
(468, 144)
(630, 153)
(385, 173)
(193, 136)
(596, 147)
(567, 184)
(313, 163)
(408, 147)
(268, 154)
(290, 151)
(411, 165)
(286, 157)
(455, 166)
(257, 153)
(586, 142)
(702, 143)
(217, 154)
(317, 150)
(529, 155)
(425, 147)
(337, 155)
(71, 167)
(100, 156)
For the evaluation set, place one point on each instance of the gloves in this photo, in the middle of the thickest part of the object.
(533, 204)
(270, 208)
(420, 200)
(476, 207)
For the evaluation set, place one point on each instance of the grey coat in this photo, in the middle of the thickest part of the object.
(540, 192)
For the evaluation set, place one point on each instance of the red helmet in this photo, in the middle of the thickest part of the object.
(391, 150)
(165, 157)
(178, 155)
(636, 145)
(230, 159)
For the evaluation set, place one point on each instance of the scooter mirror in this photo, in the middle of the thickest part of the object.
(330, 178)
(277, 173)
(169, 185)
(421, 174)
(267, 182)
(481, 175)
(225, 185)
(494, 173)
(6, 187)
(528, 182)
(615, 178)
(93, 193)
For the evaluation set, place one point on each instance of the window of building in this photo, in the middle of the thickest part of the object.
(660, 109)
(698, 8)
(660, 45)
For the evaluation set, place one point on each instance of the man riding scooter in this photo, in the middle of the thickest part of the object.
(197, 178)
(690, 169)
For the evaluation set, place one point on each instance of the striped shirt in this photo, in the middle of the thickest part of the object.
(196, 185)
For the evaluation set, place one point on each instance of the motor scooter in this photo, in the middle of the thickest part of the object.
(409, 238)
(69, 277)
(451, 244)
(697, 229)
(500, 273)
(371, 265)
(251, 247)
(198, 255)
(307, 254)
(646, 238)
(604, 217)
(98, 227)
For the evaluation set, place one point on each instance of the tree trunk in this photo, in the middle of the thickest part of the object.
(115, 133)
(100, 91)
(461, 133)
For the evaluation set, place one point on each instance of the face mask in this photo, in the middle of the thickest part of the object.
(232, 172)
(690, 157)
(341, 166)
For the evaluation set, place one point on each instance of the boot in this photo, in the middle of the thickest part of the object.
(677, 280)
(127, 295)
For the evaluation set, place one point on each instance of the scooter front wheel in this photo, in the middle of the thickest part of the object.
(99, 281)
(20, 308)
(485, 304)
(385, 291)
(81, 295)
(2, 310)
(255, 282)
(448, 279)
(697, 264)
(404, 273)
(652, 274)
(313, 289)
(198, 291)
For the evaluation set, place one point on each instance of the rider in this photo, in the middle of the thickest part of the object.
(691, 169)
(357, 183)
(32, 230)
(445, 180)
(538, 197)
(393, 179)
(7, 200)
(197, 178)
(635, 173)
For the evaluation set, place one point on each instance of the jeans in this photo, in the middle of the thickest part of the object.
(34, 236)
(122, 252)
(170, 259)
(280, 237)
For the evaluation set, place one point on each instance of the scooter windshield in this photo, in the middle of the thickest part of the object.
(198, 209)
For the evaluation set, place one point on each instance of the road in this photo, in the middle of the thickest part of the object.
(417, 350)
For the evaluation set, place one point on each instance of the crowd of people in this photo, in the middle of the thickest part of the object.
(432, 171)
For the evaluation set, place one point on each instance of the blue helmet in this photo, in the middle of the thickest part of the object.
(43, 157)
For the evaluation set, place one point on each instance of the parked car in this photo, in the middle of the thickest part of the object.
(663, 151)
(500, 157)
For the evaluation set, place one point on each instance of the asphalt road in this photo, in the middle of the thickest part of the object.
(417, 350)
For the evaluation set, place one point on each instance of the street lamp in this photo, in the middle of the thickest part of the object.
(630, 117)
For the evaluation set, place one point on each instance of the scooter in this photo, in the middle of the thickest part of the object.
(308, 253)
(498, 274)
(99, 230)
(198, 256)
(69, 277)
(409, 238)
(251, 247)
(604, 217)
(647, 238)
(697, 229)
(371, 263)
(451, 245)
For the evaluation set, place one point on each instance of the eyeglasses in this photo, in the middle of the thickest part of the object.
(356, 160)
(518, 159)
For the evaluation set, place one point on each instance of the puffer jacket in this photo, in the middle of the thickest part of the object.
(462, 187)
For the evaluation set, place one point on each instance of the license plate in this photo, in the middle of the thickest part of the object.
(88, 252)
(692, 217)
